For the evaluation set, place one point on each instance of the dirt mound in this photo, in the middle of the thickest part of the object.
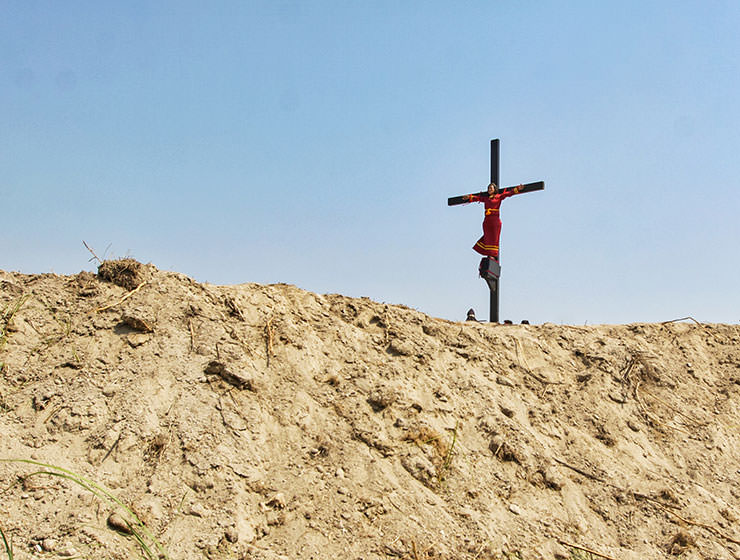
(268, 422)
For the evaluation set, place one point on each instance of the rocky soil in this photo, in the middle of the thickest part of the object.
(267, 422)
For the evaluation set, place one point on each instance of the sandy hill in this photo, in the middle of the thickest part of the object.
(268, 422)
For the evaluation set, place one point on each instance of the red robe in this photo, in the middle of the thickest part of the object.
(488, 244)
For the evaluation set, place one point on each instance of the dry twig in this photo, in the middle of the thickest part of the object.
(696, 423)
(590, 551)
(112, 448)
(95, 257)
(716, 532)
(269, 335)
(704, 326)
(581, 471)
(233, 308)
(413, 548)
(682, 319)
(634, 383)
(124, 298)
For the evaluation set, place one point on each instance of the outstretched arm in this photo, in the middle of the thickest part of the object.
(511, 191)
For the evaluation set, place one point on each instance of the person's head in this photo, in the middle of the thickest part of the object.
(493, 188)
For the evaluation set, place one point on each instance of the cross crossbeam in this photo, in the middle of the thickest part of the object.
(528, 187)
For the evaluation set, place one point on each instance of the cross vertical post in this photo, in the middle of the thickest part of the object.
(493, 283)
(488, 245)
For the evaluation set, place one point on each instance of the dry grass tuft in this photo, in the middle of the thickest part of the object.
(680, 543)
(443, 451)
(424, 435)
(127, 273)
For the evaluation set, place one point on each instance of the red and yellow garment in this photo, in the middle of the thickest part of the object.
(488, 244)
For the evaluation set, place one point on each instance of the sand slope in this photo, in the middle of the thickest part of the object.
(268, 422)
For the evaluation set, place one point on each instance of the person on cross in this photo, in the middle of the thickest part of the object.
(487, 245)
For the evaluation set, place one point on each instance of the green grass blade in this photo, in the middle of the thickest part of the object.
(138, 529)
(8, 314)
(8, 545)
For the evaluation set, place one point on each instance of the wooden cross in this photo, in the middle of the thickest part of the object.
(490, 269)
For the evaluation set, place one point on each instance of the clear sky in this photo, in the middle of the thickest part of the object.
(315, 143)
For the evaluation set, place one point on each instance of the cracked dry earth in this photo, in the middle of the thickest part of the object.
(267, 422)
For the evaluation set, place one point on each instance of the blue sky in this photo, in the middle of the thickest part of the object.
(316, 143)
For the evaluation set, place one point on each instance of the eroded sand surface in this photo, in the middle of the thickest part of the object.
(268, 422)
